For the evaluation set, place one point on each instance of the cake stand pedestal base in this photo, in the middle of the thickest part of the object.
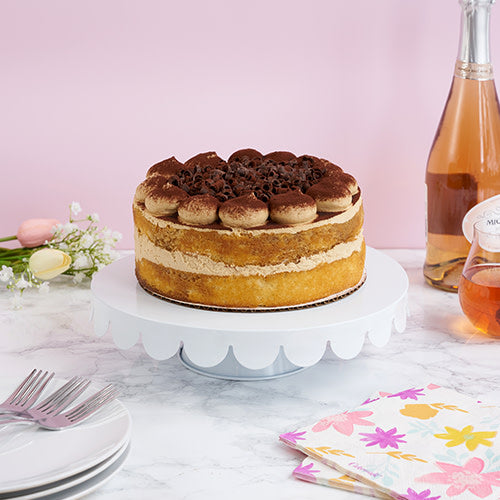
(231, 369)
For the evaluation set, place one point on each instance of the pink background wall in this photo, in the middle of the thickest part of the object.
(92, 93)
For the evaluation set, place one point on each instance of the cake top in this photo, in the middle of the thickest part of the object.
(247, 190)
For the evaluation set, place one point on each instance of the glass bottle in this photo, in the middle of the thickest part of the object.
(464, 162)
(479, 288)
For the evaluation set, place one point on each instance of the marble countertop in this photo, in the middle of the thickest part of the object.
(196, 437)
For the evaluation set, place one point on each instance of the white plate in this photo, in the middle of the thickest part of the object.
(92, 484)
(63, 487)
(31, 457)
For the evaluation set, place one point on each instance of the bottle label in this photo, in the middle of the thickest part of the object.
(449, 197)
(473, 71)
(487, 213)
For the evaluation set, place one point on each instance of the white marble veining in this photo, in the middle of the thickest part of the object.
(201, 438)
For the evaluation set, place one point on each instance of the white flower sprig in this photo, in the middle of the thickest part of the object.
(79, 248)
(90, 248)
(18, 276)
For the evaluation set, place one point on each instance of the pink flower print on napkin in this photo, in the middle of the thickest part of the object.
(462, 478)
(384, 438)
(423, 495)
(408, 394)
(292, 437)
(306, 471)
(343, 422)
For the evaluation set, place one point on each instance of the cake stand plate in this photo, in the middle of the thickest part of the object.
(250, 346)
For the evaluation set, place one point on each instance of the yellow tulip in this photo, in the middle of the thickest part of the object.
(48, 263)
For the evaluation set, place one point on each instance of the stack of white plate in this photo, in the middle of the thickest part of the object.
(67, 464)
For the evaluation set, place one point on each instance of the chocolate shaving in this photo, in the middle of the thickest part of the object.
(247, 172)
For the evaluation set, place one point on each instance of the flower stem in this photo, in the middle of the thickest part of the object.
(14, 251)
(8, 238)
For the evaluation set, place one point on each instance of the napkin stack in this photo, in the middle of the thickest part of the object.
(425, 443)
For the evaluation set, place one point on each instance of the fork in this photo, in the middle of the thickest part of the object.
(80, 412)
(59, 400)
(27, 393)
(56, 402)
(73, 416)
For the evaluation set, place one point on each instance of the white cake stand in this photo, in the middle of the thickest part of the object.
(250, 346)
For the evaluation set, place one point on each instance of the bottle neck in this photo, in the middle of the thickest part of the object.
(473, 61)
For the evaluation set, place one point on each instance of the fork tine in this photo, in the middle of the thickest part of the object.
(70, 396)
(66, 395)
(90, 410)
(36, 390)
(55, 396)
(92, 404)
(29, 389)
(93, 399)
(22, 386)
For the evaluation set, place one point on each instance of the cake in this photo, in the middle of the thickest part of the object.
(253, 232)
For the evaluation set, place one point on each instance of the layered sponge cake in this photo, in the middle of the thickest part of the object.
(253, 232)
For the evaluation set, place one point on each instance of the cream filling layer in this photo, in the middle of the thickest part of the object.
(337, 219)
(201, 264)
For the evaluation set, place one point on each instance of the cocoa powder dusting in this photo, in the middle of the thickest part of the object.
(291, 199)
(329, 187)
(165, 168)
(243, 203)
(201, 202)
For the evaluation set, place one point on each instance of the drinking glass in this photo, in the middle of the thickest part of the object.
(479, 286)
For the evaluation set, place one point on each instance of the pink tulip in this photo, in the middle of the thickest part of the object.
(35, 232)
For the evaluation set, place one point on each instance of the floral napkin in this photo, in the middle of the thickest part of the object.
(319, 473)
(424, 443)
(315, 471)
